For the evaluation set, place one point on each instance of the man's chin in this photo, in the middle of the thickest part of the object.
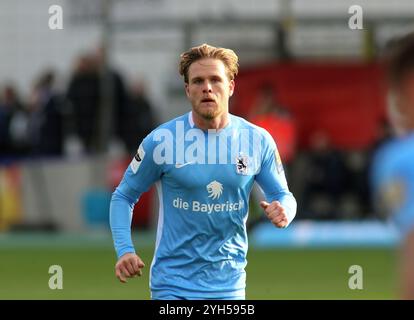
(207, 114)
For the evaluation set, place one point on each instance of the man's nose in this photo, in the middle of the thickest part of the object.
(207, 86)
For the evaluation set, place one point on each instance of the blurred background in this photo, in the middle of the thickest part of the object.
(76, 101)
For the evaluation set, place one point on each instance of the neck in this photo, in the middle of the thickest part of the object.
(217, 123)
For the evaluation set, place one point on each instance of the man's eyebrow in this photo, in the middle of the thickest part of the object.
(196, 78)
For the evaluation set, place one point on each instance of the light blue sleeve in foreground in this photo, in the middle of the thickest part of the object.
(272, 179)
(120, 217)
(139, 176)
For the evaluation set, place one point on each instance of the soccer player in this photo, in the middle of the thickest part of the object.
(393, 169)
(203, 164)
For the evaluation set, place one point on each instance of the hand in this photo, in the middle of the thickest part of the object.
(128, 266)
(276, 213)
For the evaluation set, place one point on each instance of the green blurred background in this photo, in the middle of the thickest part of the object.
(88, 270)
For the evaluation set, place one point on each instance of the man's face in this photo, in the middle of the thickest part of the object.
(209, 88)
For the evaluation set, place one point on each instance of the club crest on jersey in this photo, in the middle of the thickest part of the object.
(136, 161)
(215, 189)
(242, 163)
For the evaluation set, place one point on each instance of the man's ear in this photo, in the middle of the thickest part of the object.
(232, 87)
(187, 90)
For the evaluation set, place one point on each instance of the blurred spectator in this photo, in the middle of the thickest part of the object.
(137, 119)
(269, 114)
(116, 93)
(13, 124)
(46, 119)
(83, 95)
(323, 176)
(6, 111)
(356, 199)
(86, 97)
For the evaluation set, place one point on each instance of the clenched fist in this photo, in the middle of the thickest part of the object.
(128, 266)
(276, 213)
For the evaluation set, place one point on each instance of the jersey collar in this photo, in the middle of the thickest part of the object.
(191, 120)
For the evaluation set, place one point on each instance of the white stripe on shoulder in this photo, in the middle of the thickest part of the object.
(190, 119)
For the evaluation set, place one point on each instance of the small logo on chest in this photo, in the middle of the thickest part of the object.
(242, 163)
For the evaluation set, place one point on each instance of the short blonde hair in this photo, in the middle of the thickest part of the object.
(227, 56)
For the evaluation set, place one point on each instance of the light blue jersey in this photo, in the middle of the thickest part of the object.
(393, 181)
(203, 179)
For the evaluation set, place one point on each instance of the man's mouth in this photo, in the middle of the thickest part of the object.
(206, 100)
